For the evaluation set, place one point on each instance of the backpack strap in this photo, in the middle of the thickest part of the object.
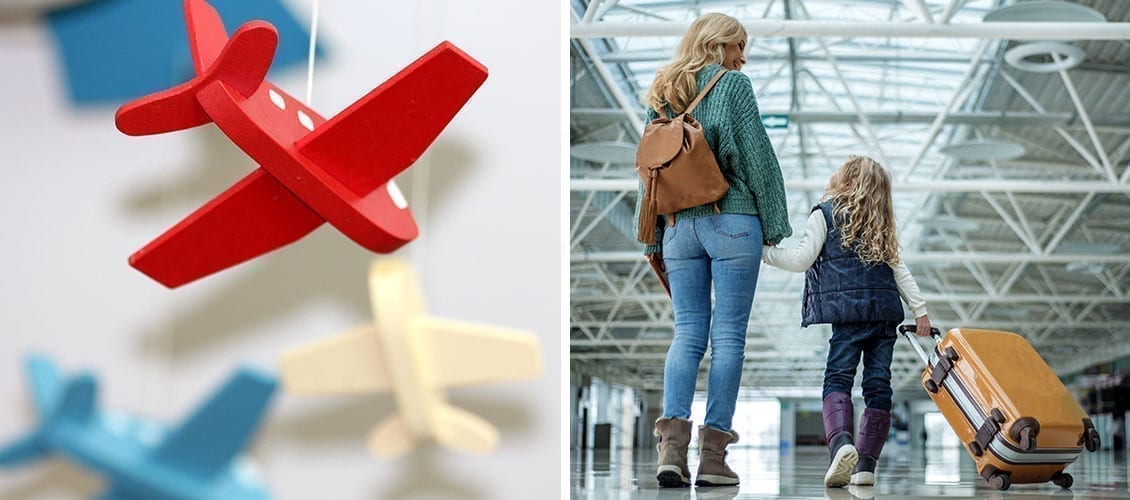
(702, 94)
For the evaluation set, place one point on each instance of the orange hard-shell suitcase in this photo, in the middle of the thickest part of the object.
(1015, 417)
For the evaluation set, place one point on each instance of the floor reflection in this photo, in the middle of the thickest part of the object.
(798, 473)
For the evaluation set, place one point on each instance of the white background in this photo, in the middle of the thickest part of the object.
(77, 198)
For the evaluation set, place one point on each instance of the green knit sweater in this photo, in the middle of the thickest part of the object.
(732, 125)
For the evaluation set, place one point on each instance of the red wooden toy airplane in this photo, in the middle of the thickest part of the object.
(311, 170)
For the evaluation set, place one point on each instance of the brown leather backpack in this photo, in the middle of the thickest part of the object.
(677, 168)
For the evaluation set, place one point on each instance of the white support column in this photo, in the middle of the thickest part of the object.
(787, 426)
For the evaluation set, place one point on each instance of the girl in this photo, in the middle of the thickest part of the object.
(706, 247)
(853, 280)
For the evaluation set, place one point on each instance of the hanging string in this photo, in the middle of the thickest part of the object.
(428, 16)
(313, 46)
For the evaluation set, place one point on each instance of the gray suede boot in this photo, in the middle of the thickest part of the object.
(712, 468)
(674, 437)
(838, 422)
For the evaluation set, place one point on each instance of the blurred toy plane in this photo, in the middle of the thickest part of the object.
(139, 458)
(310, 170)
(415, 356)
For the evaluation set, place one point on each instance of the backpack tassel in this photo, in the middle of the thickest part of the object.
(648, 213)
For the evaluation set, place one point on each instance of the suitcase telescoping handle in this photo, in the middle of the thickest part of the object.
(907, 330)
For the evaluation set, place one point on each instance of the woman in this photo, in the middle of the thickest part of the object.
(713, 245)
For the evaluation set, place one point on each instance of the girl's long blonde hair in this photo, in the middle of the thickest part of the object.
(861, 205)
(702, 45)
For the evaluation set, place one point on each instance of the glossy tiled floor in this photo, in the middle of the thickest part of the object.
(770, 473)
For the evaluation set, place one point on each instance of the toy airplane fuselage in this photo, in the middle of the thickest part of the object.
(142, 459)
(312, 170)
(416, 357)
(126, 460)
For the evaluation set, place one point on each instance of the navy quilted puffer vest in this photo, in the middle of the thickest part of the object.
(840, 288)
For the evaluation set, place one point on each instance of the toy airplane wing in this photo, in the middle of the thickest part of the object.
(350, 362)
(385, 131)
(254, 216)
(46, 384)
(468, 354)
(207, 441)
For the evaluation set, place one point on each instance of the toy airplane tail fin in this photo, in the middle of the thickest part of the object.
(465, 431)
(241, 63)
(455, 428)
(54, 400)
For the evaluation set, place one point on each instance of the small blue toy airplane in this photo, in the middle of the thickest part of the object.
(140, 459)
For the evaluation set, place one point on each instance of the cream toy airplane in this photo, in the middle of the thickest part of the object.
(415, 356)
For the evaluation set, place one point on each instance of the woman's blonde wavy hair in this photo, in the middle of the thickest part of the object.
(702, 45)
(860, 192)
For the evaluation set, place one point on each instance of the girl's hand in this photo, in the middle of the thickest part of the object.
(922, 326)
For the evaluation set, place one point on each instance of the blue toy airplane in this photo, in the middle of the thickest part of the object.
(140, 459)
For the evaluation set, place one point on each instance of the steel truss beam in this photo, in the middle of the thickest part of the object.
(936, 186)
(775, 28)
(1010, 118)
(929, 297)
(979, 257)
(756, 327)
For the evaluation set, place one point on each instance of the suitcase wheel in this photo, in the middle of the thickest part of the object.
(997, 415)
(975, 449)
(951, 354)
(1063, 480)
(1000, 481)
(931, 386)
(1027, 439)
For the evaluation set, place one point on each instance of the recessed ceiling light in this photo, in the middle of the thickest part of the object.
(1087, 248)
(1085, 267)
(601, 152)
(950, 223)
(1070, 56)
(984, 150)
(1053, 12)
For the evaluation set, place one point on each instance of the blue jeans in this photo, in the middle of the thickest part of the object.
(724, 249)
(875, 341)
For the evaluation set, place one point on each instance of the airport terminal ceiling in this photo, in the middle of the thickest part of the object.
(1011, 161)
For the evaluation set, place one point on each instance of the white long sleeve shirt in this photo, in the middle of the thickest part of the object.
(801, 257)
